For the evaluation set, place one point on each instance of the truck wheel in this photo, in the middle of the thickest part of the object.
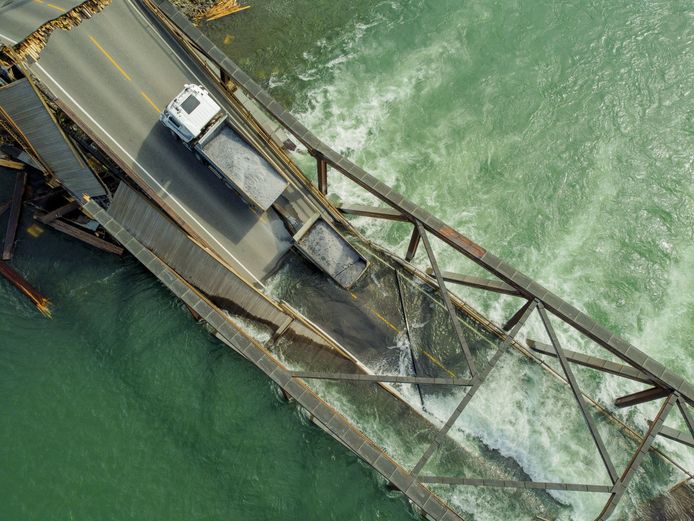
(175, 136)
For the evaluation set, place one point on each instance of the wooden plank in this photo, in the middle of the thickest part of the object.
(84, 236)
(15, 211)
(48, 217)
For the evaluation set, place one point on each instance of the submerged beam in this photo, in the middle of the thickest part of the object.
(13, 221)
(477, 382)
(621, 485)
(92, 240)
(495, 286)
(537, 485)
(386, 378)
(682, 405)
(371, 211)
(576, 390)
(593, 362)
(452, 313)
(517, 316)
(416, 366)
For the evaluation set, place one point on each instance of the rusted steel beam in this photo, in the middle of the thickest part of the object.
(477, 382)
(386, 378)
(48, 217)
(593, 362)
(87, 237)
(675, 435)
(15, 211)
(452, 313)
(371, 211)
(322, 170)
(413, 245)
(647, 395)
(496, 286)
(635, 462)
(536, 485)
(41, 302)
(576, 390)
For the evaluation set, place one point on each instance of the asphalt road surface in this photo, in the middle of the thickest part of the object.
(117, 85)
(18, 18)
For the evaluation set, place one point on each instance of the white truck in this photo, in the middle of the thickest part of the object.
(201, 125)
(196, 119)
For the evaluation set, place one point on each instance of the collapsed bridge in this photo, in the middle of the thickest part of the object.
(327, 347)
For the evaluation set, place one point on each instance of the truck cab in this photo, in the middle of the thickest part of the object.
(190, 112)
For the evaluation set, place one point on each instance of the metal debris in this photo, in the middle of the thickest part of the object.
(41, 302)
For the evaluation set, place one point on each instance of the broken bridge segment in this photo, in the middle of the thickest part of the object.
(323, 414)
(326, 157)
(23, 109)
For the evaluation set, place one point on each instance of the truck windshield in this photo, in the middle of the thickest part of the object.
(190, 104)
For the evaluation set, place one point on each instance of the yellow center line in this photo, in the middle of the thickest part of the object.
(384, 320)
(52, 6)
(150, 101)
(114, 62)
(438, 362)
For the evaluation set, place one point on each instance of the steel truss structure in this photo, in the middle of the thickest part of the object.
(505, 279)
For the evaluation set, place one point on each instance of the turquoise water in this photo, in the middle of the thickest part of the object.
(558, 135)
